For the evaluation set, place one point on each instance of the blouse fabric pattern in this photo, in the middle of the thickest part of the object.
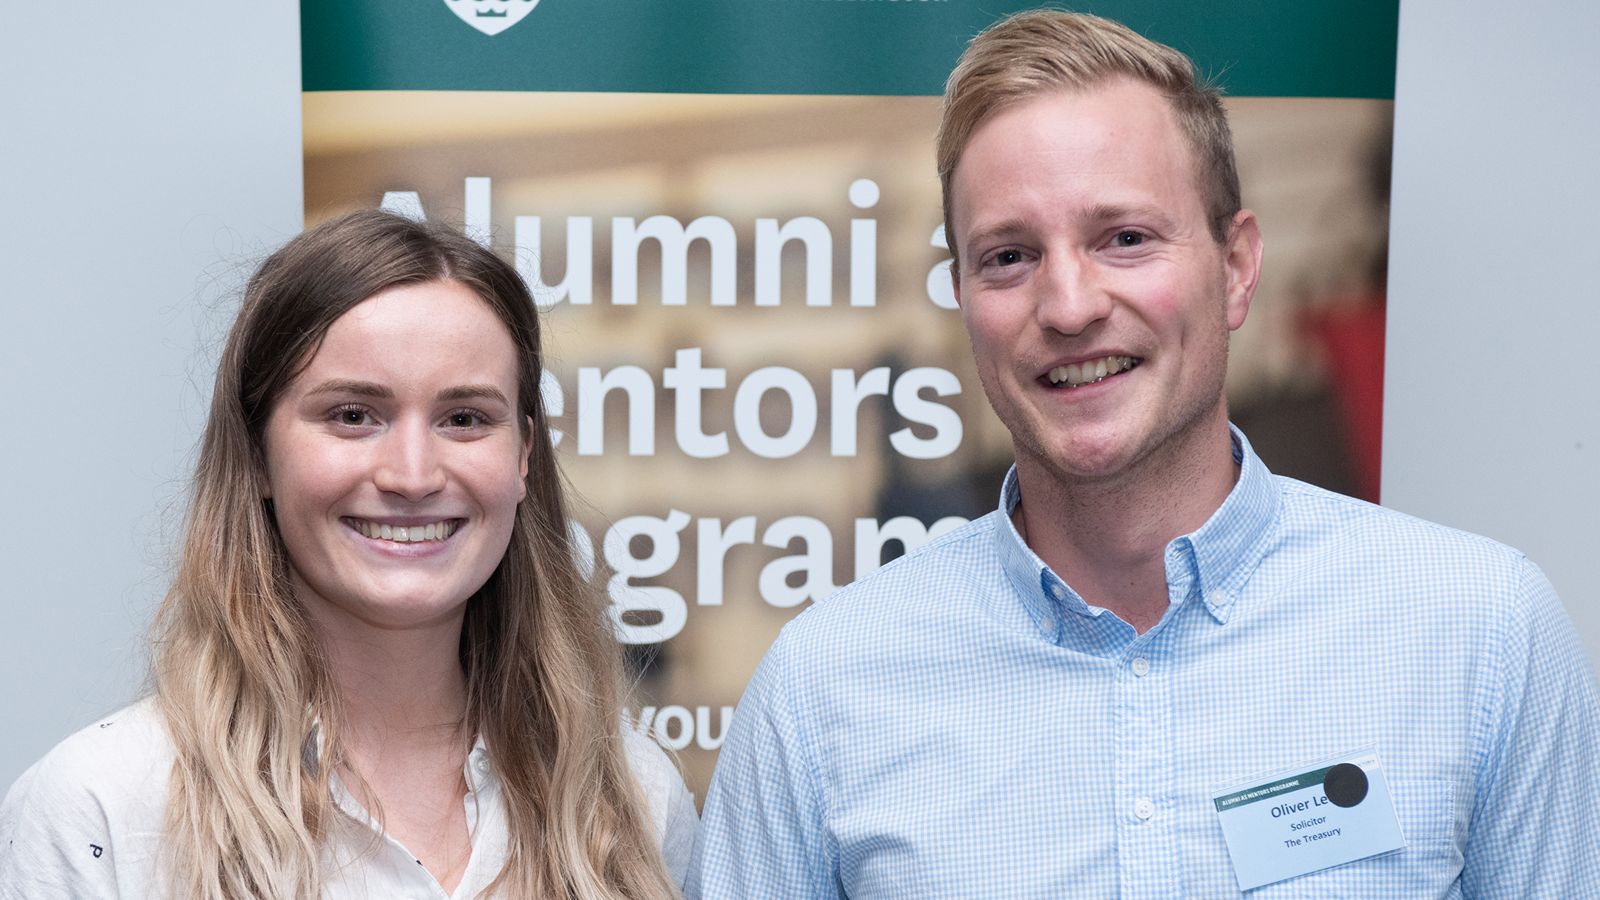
(86, 822)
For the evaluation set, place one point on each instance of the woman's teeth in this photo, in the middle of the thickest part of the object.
(1093, 370)
(403, 534)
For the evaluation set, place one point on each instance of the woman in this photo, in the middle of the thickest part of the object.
(378, 671)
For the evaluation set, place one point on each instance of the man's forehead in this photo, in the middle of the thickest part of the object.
(1115, 138)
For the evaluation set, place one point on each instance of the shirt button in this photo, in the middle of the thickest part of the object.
(1047, 625)
(1140, 666)
(1057, 592)
(1143, 808)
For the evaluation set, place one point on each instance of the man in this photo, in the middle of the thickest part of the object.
(1156, 670)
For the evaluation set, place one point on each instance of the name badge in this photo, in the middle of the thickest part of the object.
(1308, 818)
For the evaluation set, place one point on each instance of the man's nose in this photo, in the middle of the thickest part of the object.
(409, 463)
(1069, 296)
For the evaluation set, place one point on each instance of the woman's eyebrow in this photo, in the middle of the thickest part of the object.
(380, 392)
(347, 386)
(474, 392)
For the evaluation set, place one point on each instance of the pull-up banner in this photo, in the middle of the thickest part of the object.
(728, 211)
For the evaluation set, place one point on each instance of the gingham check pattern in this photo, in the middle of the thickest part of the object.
(961, 724)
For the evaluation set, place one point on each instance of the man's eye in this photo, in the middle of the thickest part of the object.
(1128, 239)
(1007, 258)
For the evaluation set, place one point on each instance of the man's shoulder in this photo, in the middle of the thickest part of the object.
(947, 565)
(1314, 514)
(1415, 574)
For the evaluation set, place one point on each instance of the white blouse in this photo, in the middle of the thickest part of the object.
(86, 821)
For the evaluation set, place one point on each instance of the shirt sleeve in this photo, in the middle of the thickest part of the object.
(668, 802)
(677, 843)
(763, 832)
(1535, 821)
(57, 840)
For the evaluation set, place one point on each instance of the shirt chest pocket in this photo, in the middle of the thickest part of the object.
(1427, 867)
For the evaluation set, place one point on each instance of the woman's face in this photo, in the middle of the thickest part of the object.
(396, 459)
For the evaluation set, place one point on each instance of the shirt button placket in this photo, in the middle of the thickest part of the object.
(1146, 856)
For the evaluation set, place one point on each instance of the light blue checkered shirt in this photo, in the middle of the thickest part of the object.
(962, 724)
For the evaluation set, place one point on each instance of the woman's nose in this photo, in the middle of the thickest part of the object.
(408, 463)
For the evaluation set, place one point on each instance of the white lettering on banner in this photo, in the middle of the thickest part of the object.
(675, 239)
(848, 392)
(941, 290)
(814, 562)
(675, 728)
(649, 614)
(553, 401)
(863, 245)
(475, 210)
(871, 537)
(688, 380)
(592, 390)
(713, 545)
(747, 403)
(577, 282)
(909, 404)
(628, 598)
(810, 232)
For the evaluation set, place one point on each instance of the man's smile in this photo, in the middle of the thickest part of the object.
(1090, 371)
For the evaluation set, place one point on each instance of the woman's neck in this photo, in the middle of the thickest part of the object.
(398, 685)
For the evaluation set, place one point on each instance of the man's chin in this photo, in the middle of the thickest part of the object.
(1083, 458)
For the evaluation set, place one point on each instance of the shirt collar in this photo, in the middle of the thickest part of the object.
(1214, 561)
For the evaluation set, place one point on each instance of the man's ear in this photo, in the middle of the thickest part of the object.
(1242, 261)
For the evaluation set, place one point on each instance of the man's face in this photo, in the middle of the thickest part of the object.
(1097, 300)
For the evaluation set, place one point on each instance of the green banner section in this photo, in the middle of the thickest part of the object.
(1272, 789)
(883, 47)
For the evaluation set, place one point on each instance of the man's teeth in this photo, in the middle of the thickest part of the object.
(402, 534)
(1091, 371)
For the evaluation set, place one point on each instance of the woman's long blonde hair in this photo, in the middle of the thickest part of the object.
(241, 678)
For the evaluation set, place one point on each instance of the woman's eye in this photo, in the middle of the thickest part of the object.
(351, 415)
(464, 419)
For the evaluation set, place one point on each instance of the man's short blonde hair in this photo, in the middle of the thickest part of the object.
(1048, 50)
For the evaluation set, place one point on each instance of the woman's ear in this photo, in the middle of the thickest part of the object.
(527, 452)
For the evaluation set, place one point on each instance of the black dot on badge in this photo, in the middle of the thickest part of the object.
(1345, 784)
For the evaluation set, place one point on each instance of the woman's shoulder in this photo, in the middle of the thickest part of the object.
(668, 802)
(90, 806)
(118, 757)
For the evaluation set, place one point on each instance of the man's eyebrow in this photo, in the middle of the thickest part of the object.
(1113, 212)
(993, 231)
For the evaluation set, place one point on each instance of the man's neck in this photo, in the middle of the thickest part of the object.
(1107, 537)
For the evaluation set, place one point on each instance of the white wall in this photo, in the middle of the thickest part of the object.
(149, 151)
(1491, 416)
